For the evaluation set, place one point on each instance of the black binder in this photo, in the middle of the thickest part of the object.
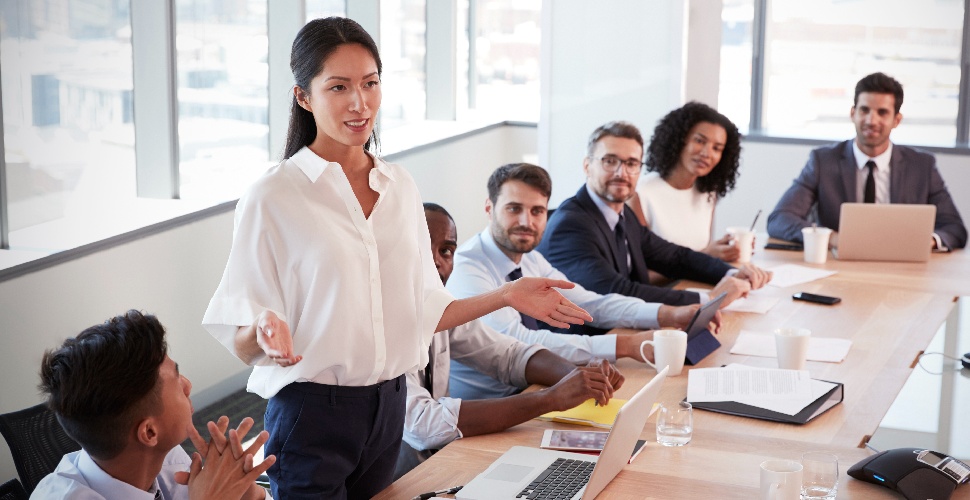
(831, 398)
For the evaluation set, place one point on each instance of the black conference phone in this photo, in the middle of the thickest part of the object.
(914, 472)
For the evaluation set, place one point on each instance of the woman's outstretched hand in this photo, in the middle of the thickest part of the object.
(538, 297)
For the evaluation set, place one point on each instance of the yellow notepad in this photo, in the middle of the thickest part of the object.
(588, 414)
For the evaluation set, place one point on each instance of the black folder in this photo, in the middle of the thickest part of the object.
(831, 398)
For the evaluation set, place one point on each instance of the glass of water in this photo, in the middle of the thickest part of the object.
(820, 478)
(675, 424)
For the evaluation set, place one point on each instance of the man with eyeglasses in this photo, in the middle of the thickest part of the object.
(594, 238)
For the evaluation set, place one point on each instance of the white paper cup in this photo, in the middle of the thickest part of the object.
(669, 349)
(791, 346)
(781, 480)
(816, 243)
(743, 240)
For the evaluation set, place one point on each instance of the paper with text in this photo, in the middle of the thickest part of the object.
(753, 304)
(732, 384)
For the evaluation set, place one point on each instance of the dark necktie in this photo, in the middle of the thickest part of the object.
(870, 192)
(158, 494)
(429, 370)
(620, 235)
(527, 321)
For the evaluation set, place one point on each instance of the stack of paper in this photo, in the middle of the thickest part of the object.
(792, 274)
(588, 413)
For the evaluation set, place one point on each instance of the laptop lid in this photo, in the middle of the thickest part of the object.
(885, 232)
(515, 469)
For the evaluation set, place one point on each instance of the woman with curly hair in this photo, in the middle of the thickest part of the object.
(693, 161)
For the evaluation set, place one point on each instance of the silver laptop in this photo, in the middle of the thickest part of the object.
(891, 232)
(516, 473)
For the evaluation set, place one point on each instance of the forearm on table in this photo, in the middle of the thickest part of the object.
(547, 368)
(484, 416)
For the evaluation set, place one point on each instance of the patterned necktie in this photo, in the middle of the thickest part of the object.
(527, 321)
(620, 236)
(870, 192)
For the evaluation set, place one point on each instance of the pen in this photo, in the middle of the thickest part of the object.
(755, 221)
(432, 494)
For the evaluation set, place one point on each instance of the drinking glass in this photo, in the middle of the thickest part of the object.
(675, 424)
(821, 475)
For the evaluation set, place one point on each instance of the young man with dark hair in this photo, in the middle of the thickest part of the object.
(433, 418)
(868, 169)
(518, 195)
(116, 392)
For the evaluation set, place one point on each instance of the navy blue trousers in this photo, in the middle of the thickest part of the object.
(334, 441)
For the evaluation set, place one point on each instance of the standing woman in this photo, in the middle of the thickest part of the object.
(330, 289)
(693, 160)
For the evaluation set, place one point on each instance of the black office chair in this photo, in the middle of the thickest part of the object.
(13, 490)
(37, 442)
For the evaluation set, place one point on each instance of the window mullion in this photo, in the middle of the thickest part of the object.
(284, 20)
(963, 112)
(441, 65)
(758, 64)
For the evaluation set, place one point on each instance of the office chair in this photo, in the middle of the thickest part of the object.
(37, 442)
(12, 490)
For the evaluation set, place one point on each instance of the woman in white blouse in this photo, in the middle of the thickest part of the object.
(330, 289)
(693, 160)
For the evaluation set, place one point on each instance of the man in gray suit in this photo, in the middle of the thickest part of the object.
(869, 169)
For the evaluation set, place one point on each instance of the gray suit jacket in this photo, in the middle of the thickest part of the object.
(829, 179)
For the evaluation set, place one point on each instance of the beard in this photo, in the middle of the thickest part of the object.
(508, 241)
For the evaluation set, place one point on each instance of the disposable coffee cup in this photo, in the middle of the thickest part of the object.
(816, 244)
(744, 240)
(669, 349)
(791, 346)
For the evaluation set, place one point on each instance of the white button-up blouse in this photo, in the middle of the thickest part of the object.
(361, 295)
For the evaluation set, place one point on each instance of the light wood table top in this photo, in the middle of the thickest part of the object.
(890, 316)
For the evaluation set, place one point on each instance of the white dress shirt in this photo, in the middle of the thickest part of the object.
(881, 174)
(431, 420)
(361, 296)
(78, 477)
(681, 216)
(481, 266)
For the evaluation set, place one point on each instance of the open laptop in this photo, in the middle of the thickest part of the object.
(518, 472)
(890, 232)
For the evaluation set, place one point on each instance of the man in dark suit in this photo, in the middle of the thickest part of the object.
(868, 169)
(594, 238)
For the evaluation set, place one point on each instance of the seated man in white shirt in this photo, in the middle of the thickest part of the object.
(116, 392)
(518, 195)
(433, 419)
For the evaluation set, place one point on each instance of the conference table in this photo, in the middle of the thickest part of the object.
(890, 312)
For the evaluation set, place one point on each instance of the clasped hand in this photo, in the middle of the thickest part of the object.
(222, 469)
(539, 298)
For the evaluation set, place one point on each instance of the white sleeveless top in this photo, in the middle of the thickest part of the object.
(681, 216)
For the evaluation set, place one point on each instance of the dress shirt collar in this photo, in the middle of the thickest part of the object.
(503, 264)
(313, 166)
(882, 161)
(109, 487)
(611, 216)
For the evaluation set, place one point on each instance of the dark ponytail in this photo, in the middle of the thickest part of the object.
(311, 48)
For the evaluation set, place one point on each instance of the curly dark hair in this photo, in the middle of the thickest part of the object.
(670, 138)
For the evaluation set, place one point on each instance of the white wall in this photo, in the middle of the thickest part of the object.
(174, 273)
(603, 61)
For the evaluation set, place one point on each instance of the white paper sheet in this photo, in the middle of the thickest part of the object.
(827, 349)
(753, 304)
(732, 384)
(787, 275)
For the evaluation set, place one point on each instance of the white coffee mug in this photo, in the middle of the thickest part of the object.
(744, 240)
(781, 480)
(669, 349)
(791, 347)
(816, 243)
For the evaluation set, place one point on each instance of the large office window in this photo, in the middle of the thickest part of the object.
(67, 109)
(325, 8)
(815, 52)
(402, 40)
(505, 77)
(222, 95)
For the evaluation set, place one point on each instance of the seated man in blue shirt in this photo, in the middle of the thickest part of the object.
(433, 419)
(116, 392)
(868, 169)
(516, 205)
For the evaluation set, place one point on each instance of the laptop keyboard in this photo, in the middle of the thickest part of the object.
(560, 481)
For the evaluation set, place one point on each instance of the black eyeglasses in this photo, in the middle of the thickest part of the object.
(612, 163)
